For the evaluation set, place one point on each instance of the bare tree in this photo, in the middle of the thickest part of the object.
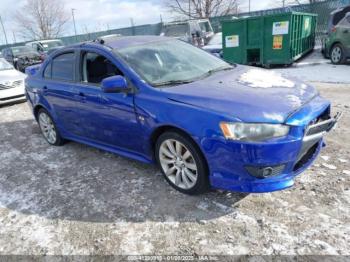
(285, 3)
(202, 8)
(42, 19)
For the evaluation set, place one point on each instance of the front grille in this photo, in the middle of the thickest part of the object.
(306, 157)
(319, 127)
(11, 85)
(17, 83)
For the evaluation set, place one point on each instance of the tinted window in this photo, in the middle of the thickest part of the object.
(47, 72)
(63, 67)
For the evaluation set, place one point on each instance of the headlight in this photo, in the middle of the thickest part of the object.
(253, 132)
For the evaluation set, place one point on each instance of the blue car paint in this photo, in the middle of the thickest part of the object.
(125, 123)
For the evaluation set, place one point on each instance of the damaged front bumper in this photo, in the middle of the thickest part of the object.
(272, 165)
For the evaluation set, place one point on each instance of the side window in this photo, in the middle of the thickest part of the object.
(63, 67)
(47, 71)
(96, 67)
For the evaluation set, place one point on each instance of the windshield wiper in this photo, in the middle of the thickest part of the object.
(173, 82)
(179, 82)
(221, 68)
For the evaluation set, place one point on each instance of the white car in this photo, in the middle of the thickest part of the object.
(11, 84)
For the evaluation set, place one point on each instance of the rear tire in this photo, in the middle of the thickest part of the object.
(182, 163)
(337, 54)
(49, 129)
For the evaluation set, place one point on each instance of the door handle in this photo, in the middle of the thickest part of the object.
(346, 31)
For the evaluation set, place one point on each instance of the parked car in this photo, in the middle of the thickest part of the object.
(197, 32)
(21, 57)
(46, 46)
(337, 43)
(11, 84)
(160, 100)
(215, 45)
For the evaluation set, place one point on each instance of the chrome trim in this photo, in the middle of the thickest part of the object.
(329, 124)
(313, 137)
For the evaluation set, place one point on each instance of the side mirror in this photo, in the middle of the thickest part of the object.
(115, 84)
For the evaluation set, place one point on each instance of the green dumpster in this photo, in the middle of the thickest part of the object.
(278, 39)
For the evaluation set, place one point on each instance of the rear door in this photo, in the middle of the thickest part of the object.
(58, 91)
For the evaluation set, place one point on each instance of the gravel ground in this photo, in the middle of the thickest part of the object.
(79, 200)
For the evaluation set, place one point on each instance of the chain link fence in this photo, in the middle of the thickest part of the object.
(322, 9)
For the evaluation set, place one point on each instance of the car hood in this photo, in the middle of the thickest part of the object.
(10, 76)
(245, 93)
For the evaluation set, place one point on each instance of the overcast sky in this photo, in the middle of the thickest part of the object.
(97, 15)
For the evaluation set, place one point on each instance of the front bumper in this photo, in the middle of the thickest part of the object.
(12, 95)
(288, 157)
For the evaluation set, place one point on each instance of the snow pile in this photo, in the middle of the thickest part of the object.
(264, 79)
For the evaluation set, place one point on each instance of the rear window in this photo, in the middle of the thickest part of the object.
(63, 67)
(340, 15)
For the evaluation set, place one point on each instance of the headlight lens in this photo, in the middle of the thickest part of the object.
(253, 132)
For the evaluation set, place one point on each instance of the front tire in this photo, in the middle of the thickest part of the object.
(49, 129)
(182, 163)
(337, 54)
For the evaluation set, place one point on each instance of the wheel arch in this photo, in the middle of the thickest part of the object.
(36, 110)
(168, 128)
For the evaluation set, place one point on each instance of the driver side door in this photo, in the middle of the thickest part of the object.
(107, 118)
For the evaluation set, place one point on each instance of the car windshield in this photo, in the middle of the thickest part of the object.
(216, 40)
(21, 50)
(51, 44)
(4, 65)
(171, 62)
(176, 30)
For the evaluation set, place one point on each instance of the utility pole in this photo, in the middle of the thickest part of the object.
(284, 3)
(3, 29)
(75, 29)
(14, 37)
(189, 9)
(249, 6)
(132, 25)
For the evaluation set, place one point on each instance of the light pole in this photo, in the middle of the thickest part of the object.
(3, 29)
(75, 29)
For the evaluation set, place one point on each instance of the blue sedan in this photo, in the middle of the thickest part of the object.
(206, 123)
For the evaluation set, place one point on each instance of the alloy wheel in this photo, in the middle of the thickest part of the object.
(178, 164)
(336, 54)
(47, 128)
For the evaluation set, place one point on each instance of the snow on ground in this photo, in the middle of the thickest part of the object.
(314, 68)
(77, 200)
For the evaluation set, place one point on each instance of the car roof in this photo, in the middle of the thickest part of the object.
(117, 42)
